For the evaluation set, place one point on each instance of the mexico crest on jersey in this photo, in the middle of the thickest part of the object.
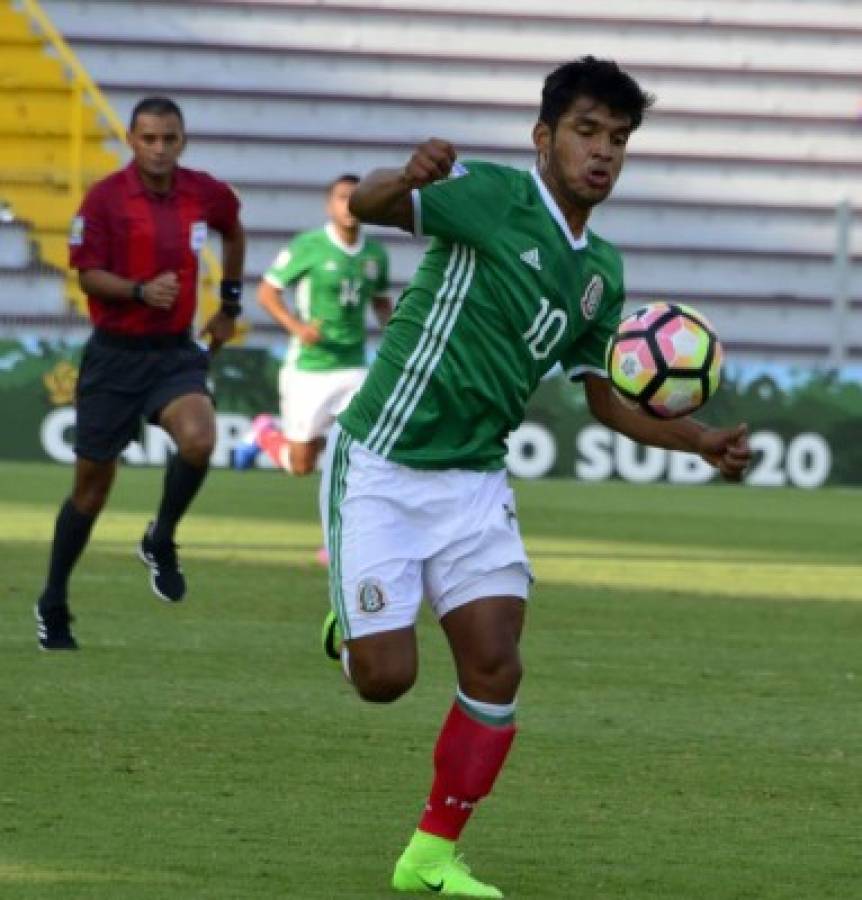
(592, 297)
(371, 596)
(371, 269)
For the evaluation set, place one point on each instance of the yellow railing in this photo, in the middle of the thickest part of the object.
(85, 90)
(82, 87)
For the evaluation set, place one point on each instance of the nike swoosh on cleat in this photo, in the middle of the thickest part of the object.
(432, 887)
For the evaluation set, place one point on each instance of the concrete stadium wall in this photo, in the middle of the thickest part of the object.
(729, 195)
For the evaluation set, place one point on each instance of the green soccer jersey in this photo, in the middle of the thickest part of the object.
(503, 293)
(334, 283)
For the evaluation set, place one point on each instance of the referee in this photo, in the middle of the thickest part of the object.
(135, 244)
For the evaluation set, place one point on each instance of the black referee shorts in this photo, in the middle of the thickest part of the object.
(124, 379)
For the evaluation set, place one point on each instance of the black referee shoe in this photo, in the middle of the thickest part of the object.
(166, 576)
(52, 628)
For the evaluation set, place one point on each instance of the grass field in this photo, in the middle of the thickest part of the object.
(691, 716)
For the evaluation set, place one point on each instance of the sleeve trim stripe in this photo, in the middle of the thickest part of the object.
(275, 282)
(417, 212)
(578, 372)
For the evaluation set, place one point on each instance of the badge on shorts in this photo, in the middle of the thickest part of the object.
(370, 595)
(198, 236)
(510, 514)
(76, 232)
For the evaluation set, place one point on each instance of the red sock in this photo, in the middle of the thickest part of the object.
(275, 445)
(467, 759)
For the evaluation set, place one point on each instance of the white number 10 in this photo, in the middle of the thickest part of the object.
(539, 335)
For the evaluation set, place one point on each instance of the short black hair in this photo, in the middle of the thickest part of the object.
(346, 178)
(601, 79)
(155, 106)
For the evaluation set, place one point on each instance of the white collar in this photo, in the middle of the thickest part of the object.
(349, 249)
(556, 212)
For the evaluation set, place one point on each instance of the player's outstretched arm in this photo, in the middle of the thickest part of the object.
(725, 448)
(383, 197)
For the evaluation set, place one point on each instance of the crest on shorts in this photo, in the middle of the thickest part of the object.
(370, 595)
(510, 514)
(592, 297)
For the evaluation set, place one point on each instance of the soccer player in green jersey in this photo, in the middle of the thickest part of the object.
(414, 495)
(336, 271)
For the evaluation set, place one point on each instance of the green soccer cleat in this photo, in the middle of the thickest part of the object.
(449, 878)
(331, 636)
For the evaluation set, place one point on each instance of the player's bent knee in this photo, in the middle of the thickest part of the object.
(301, 467)
(197, 449)
(303, 459)
(497, 677)
(382, 691)
(381, 682)
(383, 666)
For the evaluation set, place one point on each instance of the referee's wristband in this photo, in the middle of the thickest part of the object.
(138, 292)
(231, 297)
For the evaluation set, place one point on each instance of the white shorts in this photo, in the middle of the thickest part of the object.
(396, 535)
(310, 401)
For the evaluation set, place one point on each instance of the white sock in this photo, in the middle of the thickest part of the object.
(497, 711)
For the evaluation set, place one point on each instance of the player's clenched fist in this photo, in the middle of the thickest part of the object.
(384, 196)
(431, 161)
(309, 333)
(162, 291)
(728, 450)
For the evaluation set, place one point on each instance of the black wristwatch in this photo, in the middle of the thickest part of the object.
(138, 292)
(230, 292)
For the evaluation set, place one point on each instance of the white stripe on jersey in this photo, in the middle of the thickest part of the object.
(400, 395)
(438, 351)
(422, 362)
(302, 302)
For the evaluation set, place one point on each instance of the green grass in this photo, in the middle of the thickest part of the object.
(691, 724)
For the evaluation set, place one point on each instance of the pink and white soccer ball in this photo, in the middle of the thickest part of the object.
(666, 358)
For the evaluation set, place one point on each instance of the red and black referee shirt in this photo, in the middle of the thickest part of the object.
(127, 230)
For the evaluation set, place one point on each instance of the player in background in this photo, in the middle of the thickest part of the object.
(414, 494)
(336, 271)
(135, 243)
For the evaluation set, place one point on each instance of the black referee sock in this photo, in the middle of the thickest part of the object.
(71, 533)
(182, 482)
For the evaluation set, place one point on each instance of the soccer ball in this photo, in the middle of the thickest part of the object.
(666, 358)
